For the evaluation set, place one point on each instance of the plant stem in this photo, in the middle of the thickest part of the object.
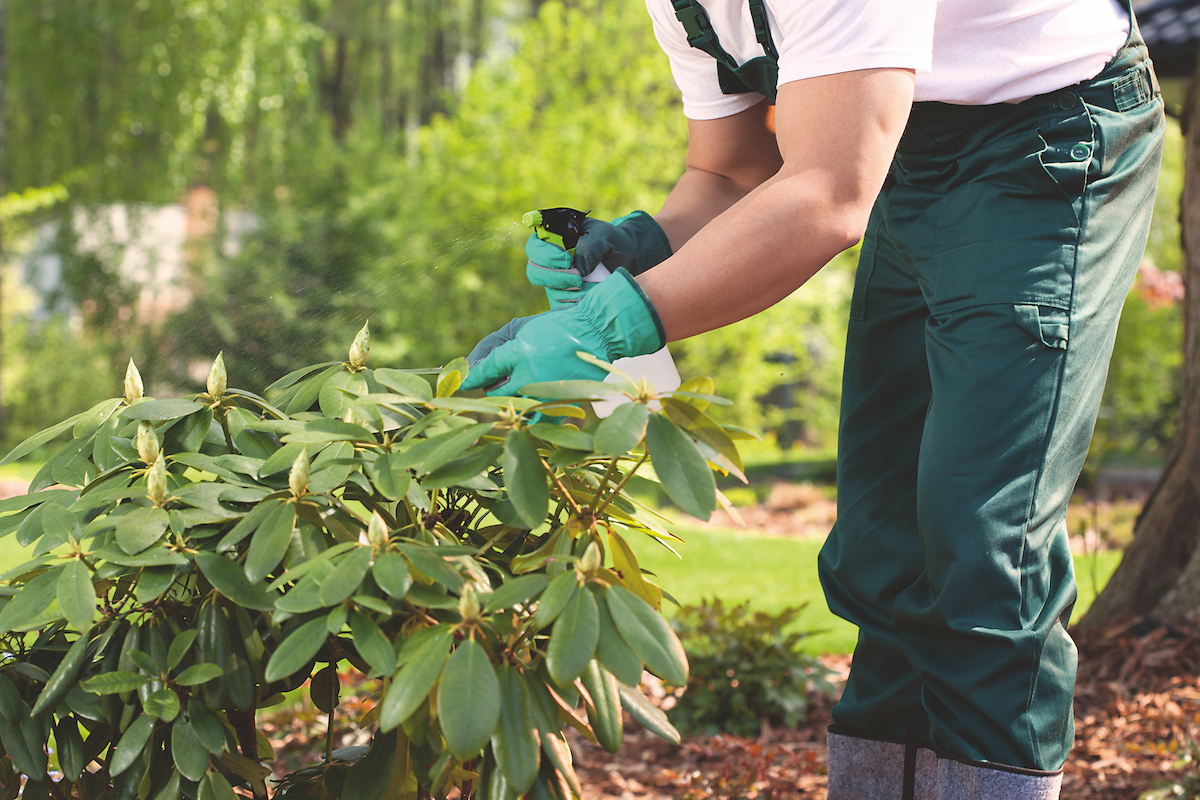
(612, 467)
(561, 488)
(617, 490)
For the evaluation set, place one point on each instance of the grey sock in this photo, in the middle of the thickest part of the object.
(869, 769)
(971, 781)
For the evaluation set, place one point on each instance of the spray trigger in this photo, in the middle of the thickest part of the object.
(561, 227)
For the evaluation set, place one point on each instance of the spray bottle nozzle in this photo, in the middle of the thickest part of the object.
(561, 227)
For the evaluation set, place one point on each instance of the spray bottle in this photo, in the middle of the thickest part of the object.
(562, 227)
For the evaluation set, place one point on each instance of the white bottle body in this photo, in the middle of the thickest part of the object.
(658, 368)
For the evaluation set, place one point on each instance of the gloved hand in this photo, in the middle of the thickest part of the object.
(613, 320)
(634, 242)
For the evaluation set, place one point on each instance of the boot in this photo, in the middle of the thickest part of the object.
(871, 769)
(972, 780)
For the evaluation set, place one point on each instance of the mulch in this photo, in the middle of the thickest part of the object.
(1137, 710)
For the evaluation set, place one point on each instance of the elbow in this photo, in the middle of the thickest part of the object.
(849, 225)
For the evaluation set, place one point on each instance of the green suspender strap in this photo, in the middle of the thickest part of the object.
(756, 75)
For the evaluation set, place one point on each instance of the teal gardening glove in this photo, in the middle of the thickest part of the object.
(613, 320)
(634, 242)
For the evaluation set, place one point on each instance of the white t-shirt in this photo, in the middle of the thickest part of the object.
(970, 52)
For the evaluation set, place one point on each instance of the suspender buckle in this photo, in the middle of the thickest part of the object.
(695, 23)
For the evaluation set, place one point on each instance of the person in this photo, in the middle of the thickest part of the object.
(998, 159)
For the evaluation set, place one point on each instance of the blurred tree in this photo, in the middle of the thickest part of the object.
(1159, 575)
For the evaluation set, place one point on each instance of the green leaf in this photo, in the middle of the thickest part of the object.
(38, 439)
(281, 460)
(463, 470)
(208, 727)
(390, 479)
(682, 470)
(229, 578)
(133, 741)
(152, 582)
(432, 564)
(152, 557)
(405, 383)
(468, 700)
(573, 639)
(308, 391)
(622, 430)
(141, 528)
(198, 674)
(516, 591)
(346, 577)
(372, 645)
(604, 707)
(612, 651)
(31, 601)
(159, 410)
(525, 478)
(575, 391)
(180, 647)
(163, 704)
(563, 436)
(369, 777)
(647, 714)
(247, 524)
(415, 680)
(648, 635)
(391, 574)
(299, 648)
(10, 701)
(514, 741)
(427, 455)
(451, 377)
(114, 682)
(189, 755)
(270, 542)
(558, 594)
(213, 786)
(76, 597)
(320, 431)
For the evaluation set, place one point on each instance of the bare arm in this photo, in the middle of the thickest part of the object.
(836, 135)
(726, 159)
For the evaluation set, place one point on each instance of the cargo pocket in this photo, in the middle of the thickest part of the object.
(1045, 324)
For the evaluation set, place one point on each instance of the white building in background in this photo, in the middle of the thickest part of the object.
(152, 248)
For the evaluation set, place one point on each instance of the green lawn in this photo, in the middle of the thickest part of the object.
(773, 573)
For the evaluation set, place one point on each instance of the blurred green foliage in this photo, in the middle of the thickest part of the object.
(386, 151)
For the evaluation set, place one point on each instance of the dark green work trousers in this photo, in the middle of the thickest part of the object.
(992, 275)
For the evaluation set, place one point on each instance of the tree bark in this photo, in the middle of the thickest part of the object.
(1159, 576)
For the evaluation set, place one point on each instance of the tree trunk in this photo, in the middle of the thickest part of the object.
(1159, 575)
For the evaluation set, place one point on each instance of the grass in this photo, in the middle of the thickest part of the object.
(773, 573)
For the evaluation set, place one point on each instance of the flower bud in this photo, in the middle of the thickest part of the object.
(217, 378)
(147, 443)
(377, 532)
(360, 348)
(468, 606)
(298, 477)
(156, 481)
(133, 383)
(591, 559)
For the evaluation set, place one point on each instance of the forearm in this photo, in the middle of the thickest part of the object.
(754, 254)
(698, 198)
(836, 137)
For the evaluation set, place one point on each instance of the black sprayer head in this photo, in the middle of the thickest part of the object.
(566, 222)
